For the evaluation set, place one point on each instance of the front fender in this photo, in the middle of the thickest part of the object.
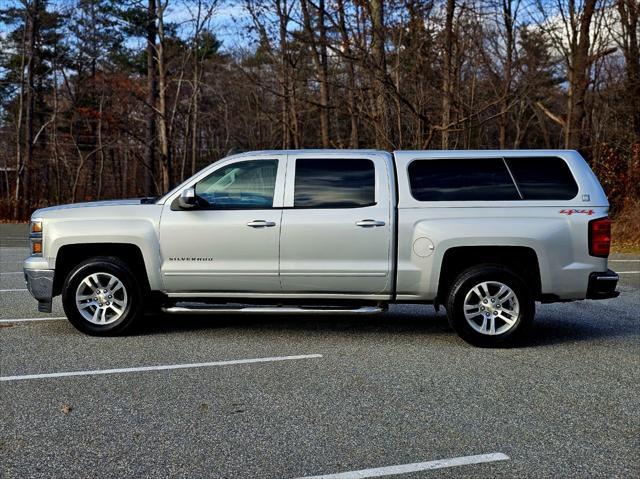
(139, 232)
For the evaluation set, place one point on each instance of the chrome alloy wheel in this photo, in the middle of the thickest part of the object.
(491, 308)
(101, 298)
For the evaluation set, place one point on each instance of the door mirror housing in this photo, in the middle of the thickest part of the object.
(187, 199)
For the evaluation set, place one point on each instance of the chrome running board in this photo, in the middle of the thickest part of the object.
(311, 310)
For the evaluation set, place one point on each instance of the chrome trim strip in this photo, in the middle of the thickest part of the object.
(278, 295)
(207, 273)
(355, 275)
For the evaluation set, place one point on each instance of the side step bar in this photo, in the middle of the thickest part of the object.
(208, 309)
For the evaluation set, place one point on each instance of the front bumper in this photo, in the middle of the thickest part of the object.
(39, 282)
(602, 285)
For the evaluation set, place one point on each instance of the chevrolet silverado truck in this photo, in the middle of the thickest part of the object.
(485, 234)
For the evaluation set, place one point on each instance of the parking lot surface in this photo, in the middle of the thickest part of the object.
(184, 398)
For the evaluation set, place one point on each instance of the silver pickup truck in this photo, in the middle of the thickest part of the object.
(486, 234)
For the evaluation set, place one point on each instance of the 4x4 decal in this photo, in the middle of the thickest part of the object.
(577, 212)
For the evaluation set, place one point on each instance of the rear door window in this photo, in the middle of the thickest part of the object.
(467, 179)
(543, 178)
(334, 183)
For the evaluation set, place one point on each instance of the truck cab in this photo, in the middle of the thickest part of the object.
(303, 224)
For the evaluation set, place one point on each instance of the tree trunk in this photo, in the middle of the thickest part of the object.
(447, 81)
(163, 128)
(579, 66)
(351, 76)
(194, 109)
(324, 78)
(381, 114)
(34, 24)
(285, 80)
(319, 57)
(152, 101)
(629, 11)
(19, 153)
(100, 148)
(503, 119)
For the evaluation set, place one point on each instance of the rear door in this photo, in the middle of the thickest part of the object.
(336, 225)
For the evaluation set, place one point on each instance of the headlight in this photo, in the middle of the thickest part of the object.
(35, 238)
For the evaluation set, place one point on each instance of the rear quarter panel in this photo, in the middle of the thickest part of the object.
(557, 231)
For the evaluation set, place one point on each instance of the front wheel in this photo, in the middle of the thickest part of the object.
(490, 306)
(101, 297)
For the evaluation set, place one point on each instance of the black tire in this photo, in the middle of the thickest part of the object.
(463, 286)
(111, 266)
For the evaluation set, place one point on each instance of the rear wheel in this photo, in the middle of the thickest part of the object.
(490, 306)
(101, 297)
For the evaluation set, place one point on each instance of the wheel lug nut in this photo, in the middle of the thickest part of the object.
(482, 308)
(105, 291)
(493, 300)
(485, 301)
(110, 296)
(108, 303)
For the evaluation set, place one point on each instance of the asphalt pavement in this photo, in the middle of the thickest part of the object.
(330, 395)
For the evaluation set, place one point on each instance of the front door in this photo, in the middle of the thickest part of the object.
(230, 242)
(337, 225)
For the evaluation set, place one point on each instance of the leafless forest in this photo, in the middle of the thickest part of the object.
(105, 98)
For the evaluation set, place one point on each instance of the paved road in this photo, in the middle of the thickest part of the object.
(389, 390)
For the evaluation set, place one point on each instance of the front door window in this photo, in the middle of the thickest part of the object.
(245, 185)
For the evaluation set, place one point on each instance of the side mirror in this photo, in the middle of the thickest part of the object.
(187, 199)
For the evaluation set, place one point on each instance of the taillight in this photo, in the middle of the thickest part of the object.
(600, 237)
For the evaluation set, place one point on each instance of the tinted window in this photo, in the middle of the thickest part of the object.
(543, 178)
(334, 183)
(470, 179)
(243, 185)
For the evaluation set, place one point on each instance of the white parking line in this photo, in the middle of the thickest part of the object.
(627, 272)
(12, 290)
(24, 320)
(624, 260)
(13, 272)
(158, 368)
(415, 467)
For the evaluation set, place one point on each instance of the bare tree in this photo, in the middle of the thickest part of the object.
(629, 10)
(447, 72)
(24, 174)
(152, 99)
(318, 48)
(379, 69)
(349, 61)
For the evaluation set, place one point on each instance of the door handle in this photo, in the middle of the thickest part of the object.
(370, 223)
(260, 223)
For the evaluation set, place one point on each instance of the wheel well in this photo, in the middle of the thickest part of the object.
(520, 259)
(72, 255)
